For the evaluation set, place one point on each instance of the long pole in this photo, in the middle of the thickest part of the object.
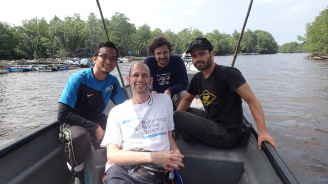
(103, 21)
(241, 34)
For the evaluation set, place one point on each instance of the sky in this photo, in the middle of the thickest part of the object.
(284, 19)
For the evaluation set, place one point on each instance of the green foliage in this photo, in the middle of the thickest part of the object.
(316, 36)
(257, 42)
(121, 32)
(292, 47)
(173, 38)
(8, 41)
(73, 37)
(94, 34)
(265, 43)
(183, 39)
(141, 39)
(222, 43)
(28, 35)
(157, 32)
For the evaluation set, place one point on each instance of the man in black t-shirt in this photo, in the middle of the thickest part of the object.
(220, 89)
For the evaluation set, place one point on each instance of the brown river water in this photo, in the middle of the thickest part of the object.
(292, 89)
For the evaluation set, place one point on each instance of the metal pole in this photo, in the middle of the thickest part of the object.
(103, 21)
(241, 33)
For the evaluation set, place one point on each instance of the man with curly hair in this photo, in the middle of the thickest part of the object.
(168, 71)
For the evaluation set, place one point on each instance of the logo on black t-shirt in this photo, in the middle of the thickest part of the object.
(207, 97)
(163, 79)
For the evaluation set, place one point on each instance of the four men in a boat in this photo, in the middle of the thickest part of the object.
(138, 137)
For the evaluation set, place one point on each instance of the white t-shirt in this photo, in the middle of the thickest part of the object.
(141, 126)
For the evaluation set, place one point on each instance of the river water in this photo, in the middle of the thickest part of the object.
(292, 89)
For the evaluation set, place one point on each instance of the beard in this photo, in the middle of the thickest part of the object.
(206, 64)
(163, 61)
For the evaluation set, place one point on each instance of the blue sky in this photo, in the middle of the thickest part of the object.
(284, 19)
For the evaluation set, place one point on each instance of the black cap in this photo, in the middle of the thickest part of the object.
(200, 43)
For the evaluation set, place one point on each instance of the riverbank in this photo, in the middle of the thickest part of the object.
(6, 63)
(319, 57)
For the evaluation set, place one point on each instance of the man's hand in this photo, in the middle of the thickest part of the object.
(168, 160)
(99, 133)
(154, 92)
(266, 137)
(167, 92)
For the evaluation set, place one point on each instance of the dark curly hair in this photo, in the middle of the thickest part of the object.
(159, 42)
(106, 44)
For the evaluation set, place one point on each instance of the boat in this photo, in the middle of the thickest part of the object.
(62, 67)
(188, 62)
(15, 68)
(34, 67)
(25, 68)
(39, 158)
(3, 71)
(122, 60)
(84, 63)
(68, 62)
(75, 64)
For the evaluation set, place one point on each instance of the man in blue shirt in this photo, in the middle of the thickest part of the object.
(82, 104)
(168, 71)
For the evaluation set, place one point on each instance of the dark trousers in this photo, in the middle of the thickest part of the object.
(118, 175)
(193, 126)
(77, 140)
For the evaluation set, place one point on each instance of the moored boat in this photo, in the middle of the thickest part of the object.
(85, 63)
(2, 71)
(188, 62)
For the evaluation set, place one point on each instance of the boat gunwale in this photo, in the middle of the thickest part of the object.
(27, 138)
(278, 164)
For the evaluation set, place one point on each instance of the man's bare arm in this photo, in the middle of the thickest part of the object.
(245, 92)
(121, 157)
(185, 102)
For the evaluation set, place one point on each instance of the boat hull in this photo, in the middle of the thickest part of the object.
(39, 158)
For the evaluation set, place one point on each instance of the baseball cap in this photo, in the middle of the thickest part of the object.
(200, 43)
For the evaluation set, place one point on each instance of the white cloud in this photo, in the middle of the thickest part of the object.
(301, 11)
(188, 13)
(275, 1)
(196, 2)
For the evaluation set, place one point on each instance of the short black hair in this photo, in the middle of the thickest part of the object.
(106, 44)
(159, 42)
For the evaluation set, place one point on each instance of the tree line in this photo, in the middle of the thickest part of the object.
(315, 40)
(73, 37)
(292, 47)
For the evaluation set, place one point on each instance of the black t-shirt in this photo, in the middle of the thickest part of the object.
(222, 104)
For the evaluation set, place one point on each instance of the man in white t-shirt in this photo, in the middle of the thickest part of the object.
(139, 134)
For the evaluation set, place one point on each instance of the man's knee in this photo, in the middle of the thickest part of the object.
(179, 117)
(116, 175)
(79, 134)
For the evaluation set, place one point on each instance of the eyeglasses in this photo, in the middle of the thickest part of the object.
(136, 76)
(105, 57)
